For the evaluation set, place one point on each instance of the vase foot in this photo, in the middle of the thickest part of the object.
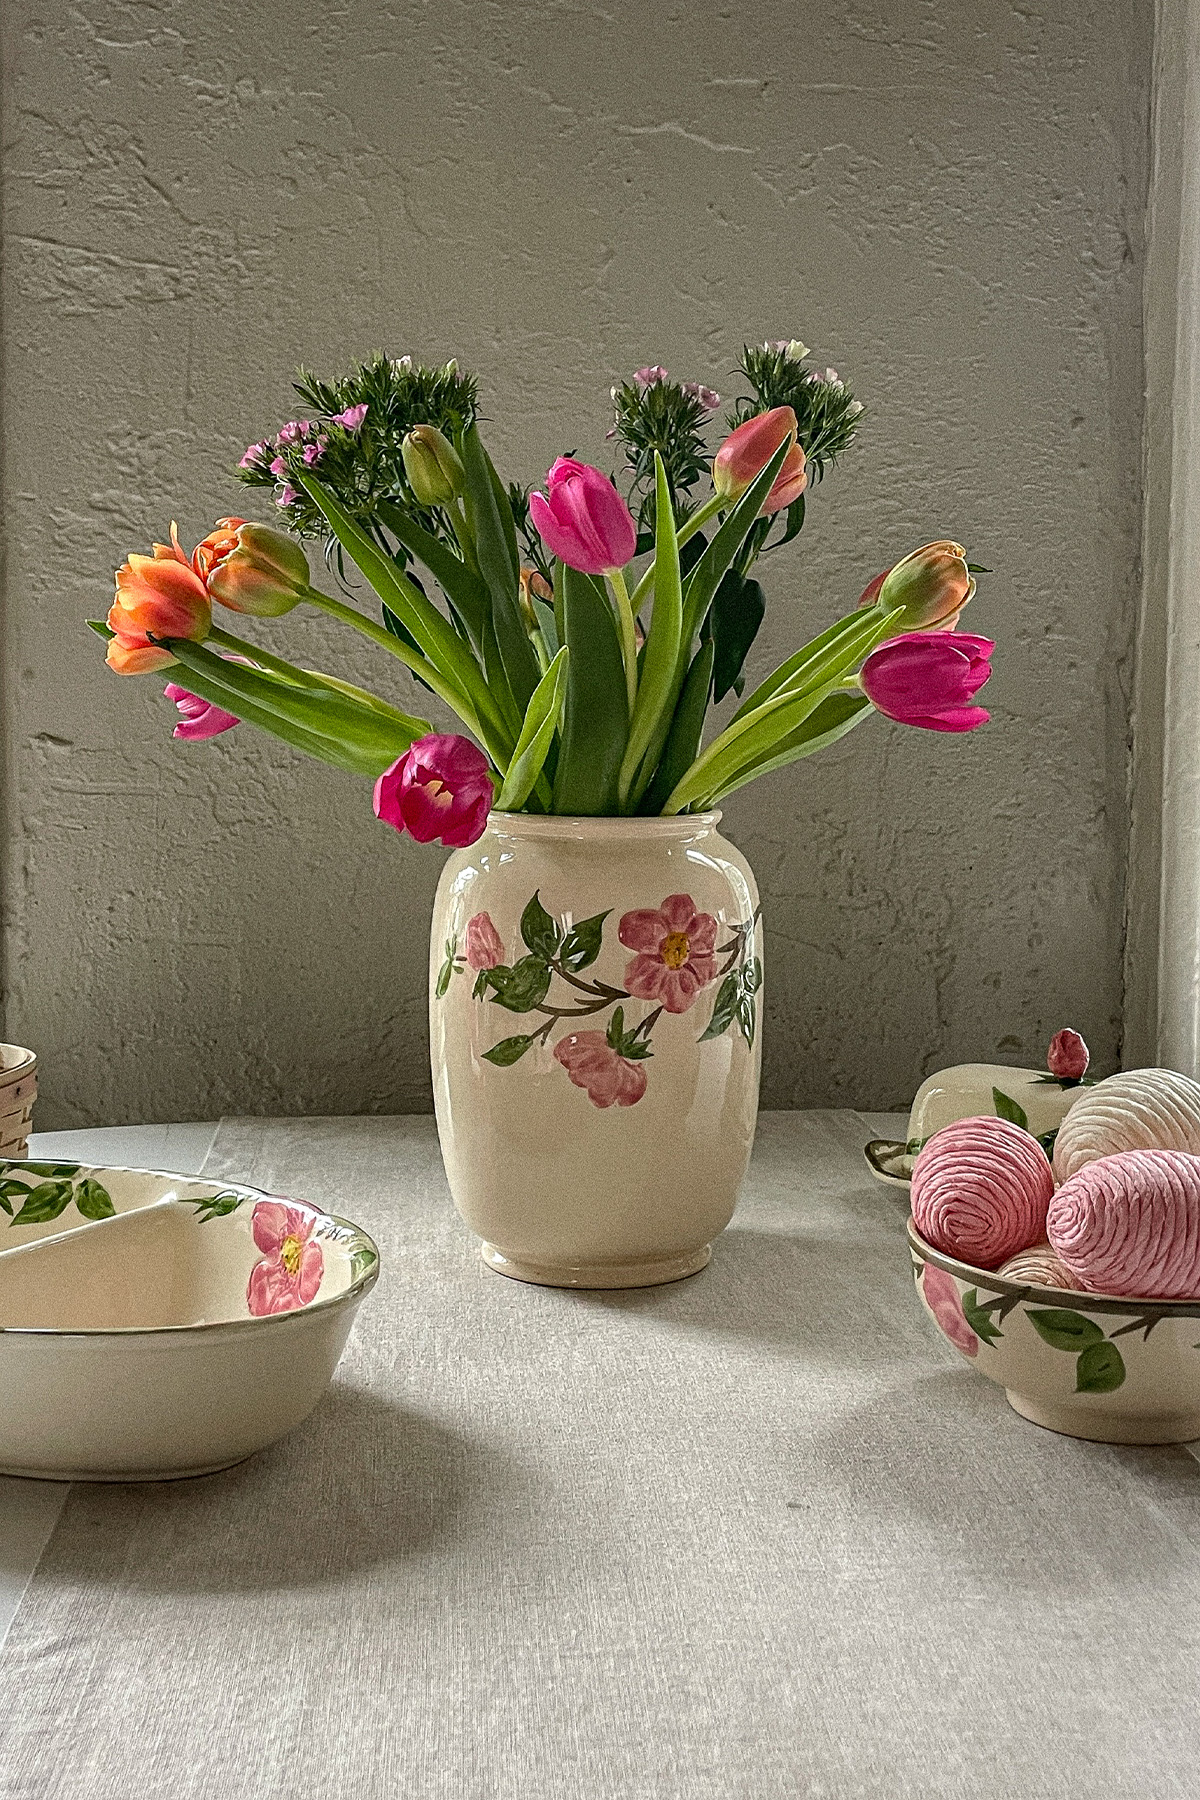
(1108, 1427)
(653, 1272)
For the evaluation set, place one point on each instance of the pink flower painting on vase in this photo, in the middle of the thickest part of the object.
(675, 948)
(290, 1272)
(607, 1077)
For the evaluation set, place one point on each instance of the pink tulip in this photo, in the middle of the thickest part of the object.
(1068, 1056)
(439, 789)
(201, 719)
(583, 520)
(352, 418)
(747, 451)
(927, 678)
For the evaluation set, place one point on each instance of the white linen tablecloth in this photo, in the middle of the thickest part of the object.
(753, 1536)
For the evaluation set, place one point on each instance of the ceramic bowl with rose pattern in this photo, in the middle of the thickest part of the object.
(1101, 1366)
(152, 1325)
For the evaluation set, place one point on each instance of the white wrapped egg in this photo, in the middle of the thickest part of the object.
(1144, 1109)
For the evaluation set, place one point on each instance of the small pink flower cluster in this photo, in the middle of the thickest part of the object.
(265, 454)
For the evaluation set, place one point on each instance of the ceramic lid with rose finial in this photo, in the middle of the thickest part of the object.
(1038, 1100)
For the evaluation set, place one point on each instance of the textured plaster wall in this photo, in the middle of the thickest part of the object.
(944, 197)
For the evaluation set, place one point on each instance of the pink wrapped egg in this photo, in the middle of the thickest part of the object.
(1039, 1267)
(980, 1189)
(1130, 1224)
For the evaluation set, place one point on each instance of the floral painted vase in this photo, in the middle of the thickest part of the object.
(596, 989)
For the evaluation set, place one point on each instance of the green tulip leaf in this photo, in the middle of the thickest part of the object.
(828, 722)
(536, 736)
(1100, 1369)
(683, 739)
(461, 585)
(595, 719)
(660, 664)
(738, 610)
(490, 521)
(1063, 1329)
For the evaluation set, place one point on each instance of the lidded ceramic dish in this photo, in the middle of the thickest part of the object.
(152, 1325)
(1031, 1098)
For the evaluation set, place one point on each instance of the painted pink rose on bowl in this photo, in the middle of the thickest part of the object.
(608, 1078)
(941, 1297)
(675, 946)
(290, 1271)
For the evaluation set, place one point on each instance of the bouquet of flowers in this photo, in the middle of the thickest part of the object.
(581, 634)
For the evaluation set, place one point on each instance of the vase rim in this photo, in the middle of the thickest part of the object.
(606, 826)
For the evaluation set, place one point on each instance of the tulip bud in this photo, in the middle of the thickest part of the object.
(933, 584)
(263, 572)
(747, 451)
(433, 466)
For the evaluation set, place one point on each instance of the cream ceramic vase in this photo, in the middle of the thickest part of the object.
(595, 1002)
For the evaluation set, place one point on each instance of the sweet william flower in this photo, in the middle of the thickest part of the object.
(1068, 1056)
(200, 718)
(582, 519)
(927, 679)
(439, 789)
(932, 584)
(352, 418)
(433, 466)
(748, 449)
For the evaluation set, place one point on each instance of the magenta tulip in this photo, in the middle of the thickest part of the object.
(439, 789)
(201, 719)
(582, 519)
(927, 678)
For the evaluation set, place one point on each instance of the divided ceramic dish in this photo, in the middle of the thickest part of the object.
(154, 1325)
(1031, 1098)
(1100, 1366)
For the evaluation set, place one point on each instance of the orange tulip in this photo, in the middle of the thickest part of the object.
(136, 656)
(253, 568)
(221, 540)
(748, 450)
(932, 584)
(789, 484)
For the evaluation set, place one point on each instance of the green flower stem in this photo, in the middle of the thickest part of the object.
(689, 528)
(701, 516)
(629, 655)
(491, 735)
